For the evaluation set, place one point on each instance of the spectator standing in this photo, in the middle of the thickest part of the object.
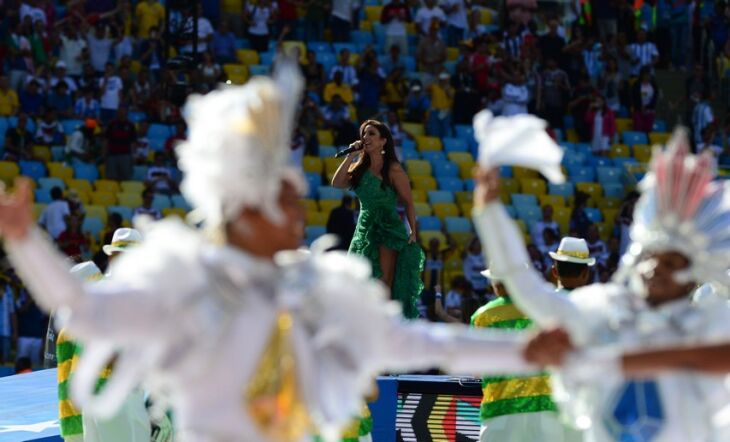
(644, 97)
(610, 85)
(142, 145)
(223, 44)
(552, 44)
(349, 74)
(466, 100)
(597, 248)
(417, 104)
(259, 16)
(537, 232)
(643, 53)
(679, 27)
(29, 9)
(341, 222)
(210, 71)
(473, 266)
(172, 141)
(80, 144)
(442, 100)
(606, 15)
(32, 324)
(395, 90)
(702, 116)
(151, 56)
(315, 18)
(8, 319)
(337, 117)
(456, 20)
(395, 15)
(313, 73)
(21, 59)
(60, 101)
(698, 82)
(579, 221)
(512, 42)
(341, 19)
(370, 87)
(205, 32)
(556, 90)
(515, 95)
(602, 122)
(427, 15)
(54, 215)
(32, 99)
(111, 88)
(122, 45)
(87, 106)
(9, 103)
(60, 76)
(18, 141)
(120, 138)
(148, 196)
(72, 241)
(432, 52)
(100, 46)
(582, 97)
(149, 14)
(338, 88)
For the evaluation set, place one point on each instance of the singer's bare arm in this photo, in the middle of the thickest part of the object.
(341, 179)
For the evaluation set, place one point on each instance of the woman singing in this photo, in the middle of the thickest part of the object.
(380, 182)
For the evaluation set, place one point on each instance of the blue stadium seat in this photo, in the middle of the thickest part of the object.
(242, 43)
(33, 169)
(58, 153)
(319, 47)
(613, 190)
(429, 223)
(43, 196)
(340, 46)
(440, 196)
(469, 185)
(631, 137)
(593, 214)
(93, 226)
(136, 117)
(4, 125)
(258, 70)
(559, 137)
(51, 182)
(458, 224)
(569, 122)
(139, 173)
(85, 171)
(361, 37)
(124, 211)
(583, 148)
(315, 181)
(157, 130)
(69, 126)
(596, 161)
(327, 151)
(609, 175)
(660, 126)
(511, 211)
(622, 161)
(565, 189)
(455, 145)
(529, 214)
(267, 58)
(161, 202)
(434, 156)
(572, 158)
(524, 200)
(180, 202)
(450, 184)
(409, 61)
(445, 169)
(330, 193)
(314, 232)
(581, 173)
(410, 154)
(407, 143)
(506, 171)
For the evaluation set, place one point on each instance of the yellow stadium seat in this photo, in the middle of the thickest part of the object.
(485, 17)
(604, 230)
(84, 196)
(247, 56)
(310, 205)
(415, 129)
(104, 198)
(534, 186)
(135, 66)
(132, 186)
(8, 171)
(411, 29)
(132, 200)
(325, 137)
(232, 6)
(373, 12)
(593, 189)
(561, 215)
(466, 170)
(80, 185)
(326, 206)
(466, 208)
(659, 137)
(426, 143)
(424, 183)
(366, 25)
(238, 79)
(571, 136)
(460, 157)
(94, 211)
(523, 172)
(620, 150)
(107, 186)
(42, 153)
(418, 168)
(174, 211)
(609, 215)
(442, 210)
(419, 196)
(623, 124)
(317, 218)
(233, 69)
(552, 200)
(452, 54)
(522, 226)
(508, 186)
(609, 203)
(423, 209)
(464, 197)
(37, 210)
(642, 152)
(312, 164)
(461, 238)
(332, 164)
(60, 170)
(427, 235)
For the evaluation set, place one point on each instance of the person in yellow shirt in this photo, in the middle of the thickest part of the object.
(149, 13)
(338, 87)
(8, 98)
(442, 100)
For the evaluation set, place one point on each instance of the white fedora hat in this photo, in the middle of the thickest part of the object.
(573, 250)
(87, 271)
(123, 239)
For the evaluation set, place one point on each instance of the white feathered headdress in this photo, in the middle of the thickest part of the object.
(682, 209)
(239, 145)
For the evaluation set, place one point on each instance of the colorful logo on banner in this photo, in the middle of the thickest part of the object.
(437, 417)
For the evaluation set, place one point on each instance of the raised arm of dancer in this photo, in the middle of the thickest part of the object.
(341, 179)
(507, 254)
(403, 188)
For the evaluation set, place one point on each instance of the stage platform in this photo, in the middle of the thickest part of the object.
(409, 408)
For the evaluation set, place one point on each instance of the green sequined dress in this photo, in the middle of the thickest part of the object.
(379, 224)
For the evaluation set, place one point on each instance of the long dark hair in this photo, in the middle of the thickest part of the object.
(358, 169)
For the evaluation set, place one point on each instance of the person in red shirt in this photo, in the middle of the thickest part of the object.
(72, 241)
(121, 136)
(175, 138)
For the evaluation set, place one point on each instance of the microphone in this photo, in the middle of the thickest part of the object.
(354, 147)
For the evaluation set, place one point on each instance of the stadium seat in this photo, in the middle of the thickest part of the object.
(609, 215)
(581, 173)
(51, 182)
(425, 143)
(442, 210)
(455, 145)
(429, 223)
(139, 173)
(459, 157)
(434, 156)
(157, 130)
(524, 200)
(609, 175)
(180, 202)
(310, 205)
(95, 211)
(132, 200)
(107, 186)
(458, 224)
(552, 200)
(317, 218)
(123, 211)
(69, 126)
(534, 186)
(624, 124)
(422, 209)
(325, 137)
(410, 154)
(161, 202)
(597, 161)
(424, 183)
(42, 153)
(592, 189)
(419, 196)
(620, 150)
(258, 70)
(37, 210)
(43, 196)
(312, 164)
(132, 186)
(415, 129)
(58, 153)
(450, 184)
(81, 185)
(314, 232)
(659, 137)
(440, 196)
(330, 193)
(571, 158)
(609, 203)
(92, 226)
(466, 208)
(418, 167)
(523, 172)
(469, 184)
(593, 214)
(103, 198)
(427, 235)
(565, 189)
(33, 169)
(446, 169)
(659, 126)
(623, 161)
(642, 152)
(174, 211)
(613, 190)
(561, 215)
(466, 170)
(632, 137)
(361, 38)
(267, 58)
(319, 47)
(327, 151)
(86, 171)
(509, 185)
(529, 215)
(8, 172)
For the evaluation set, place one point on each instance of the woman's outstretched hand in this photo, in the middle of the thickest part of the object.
(487, 186)
(16, 216)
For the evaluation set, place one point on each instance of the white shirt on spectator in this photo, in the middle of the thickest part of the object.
(53, 217)
(349, 74)
(99, 50)
(342, 9)
(70, 51)
(154, 213)
(425, 16)
(642, 54)
(70, 83)
(110, 95)
(456, 18)
(122, 48)
(259, 19)
(539, 227)
(35, 14)
(473, 266)
(205, 30)
(514, 99)
(155, 174)
(701, 118)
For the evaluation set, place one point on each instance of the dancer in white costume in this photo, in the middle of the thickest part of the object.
(240, 348)
(680, 238)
